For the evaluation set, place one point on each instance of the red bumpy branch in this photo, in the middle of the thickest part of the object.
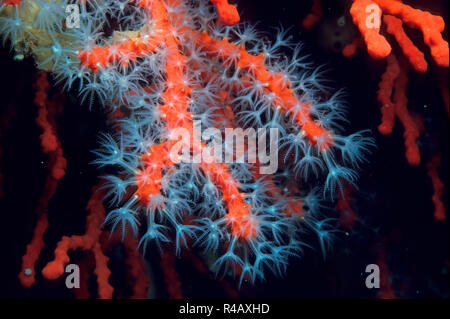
(57, 164)
(438, 187)
(365, 14)
(314, 17)
(384, 94)
(377, 45)
(90, 241)
(228, 13)
(415, 56)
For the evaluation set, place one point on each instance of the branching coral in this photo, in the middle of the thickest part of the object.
(166, 66)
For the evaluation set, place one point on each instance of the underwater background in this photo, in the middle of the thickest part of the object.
(394, 225)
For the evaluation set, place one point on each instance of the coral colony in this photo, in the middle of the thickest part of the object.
(220, 141)
(369, 16)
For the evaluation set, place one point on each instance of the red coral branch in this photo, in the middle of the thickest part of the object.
(384, 95)
(369, 26)
(438, 187)
(431, 26)
(314, 17)
(415, 56)
(395, 79)
(88, 242)
(378, 47)
(170, 275)
(228, 13)
(57, 165)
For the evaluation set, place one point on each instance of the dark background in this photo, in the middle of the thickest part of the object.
(393, 204)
